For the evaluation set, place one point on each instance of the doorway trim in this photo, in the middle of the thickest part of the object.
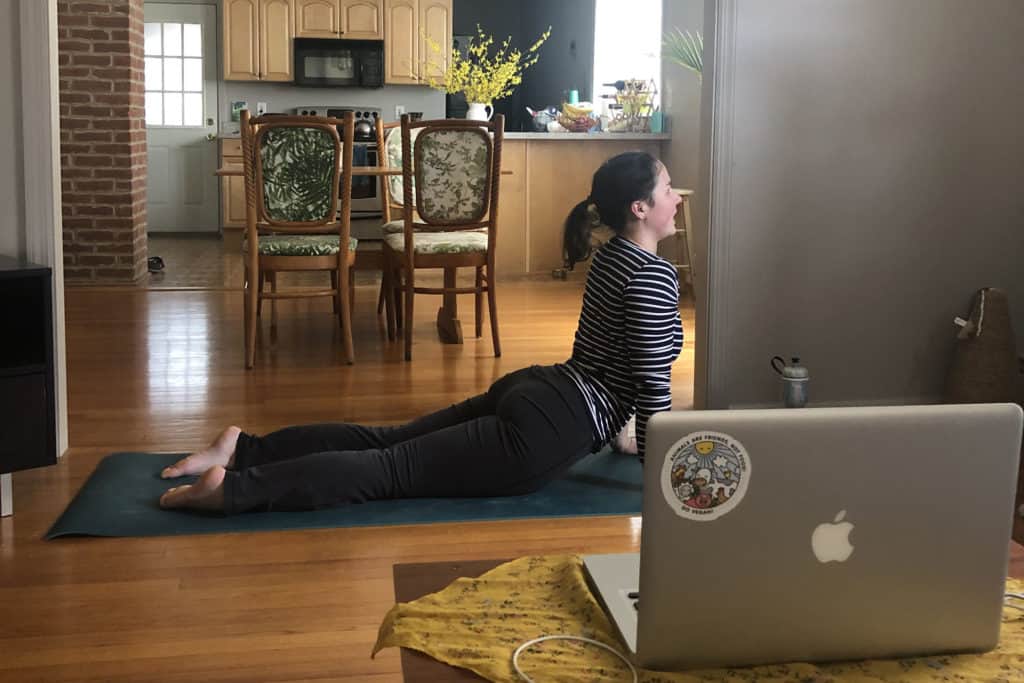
(40, 128)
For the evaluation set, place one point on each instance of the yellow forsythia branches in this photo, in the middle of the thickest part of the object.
(482, 76)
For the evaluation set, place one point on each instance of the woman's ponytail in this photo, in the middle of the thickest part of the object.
(576, 238)
(620, 181)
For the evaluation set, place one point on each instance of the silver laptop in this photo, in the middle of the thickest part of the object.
(817, 534)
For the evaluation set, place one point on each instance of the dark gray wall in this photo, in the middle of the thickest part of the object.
(866, 169)
(566, 59)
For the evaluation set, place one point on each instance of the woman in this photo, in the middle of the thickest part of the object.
(530, 426)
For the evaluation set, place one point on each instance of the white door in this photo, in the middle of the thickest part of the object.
(181, 117)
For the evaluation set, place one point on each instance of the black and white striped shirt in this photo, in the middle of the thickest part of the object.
(628, 337)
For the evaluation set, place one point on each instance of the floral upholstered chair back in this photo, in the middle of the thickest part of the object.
(452, 171)
(393, 159)
(297, 174)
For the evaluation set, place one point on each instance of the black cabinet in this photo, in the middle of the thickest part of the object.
(28, 432)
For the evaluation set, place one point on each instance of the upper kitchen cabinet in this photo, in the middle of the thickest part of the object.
(401, 41)
(435, 24)
(404, 44)
(258, 40)
(351, 19)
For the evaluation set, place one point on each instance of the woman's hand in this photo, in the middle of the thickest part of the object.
(625, 442)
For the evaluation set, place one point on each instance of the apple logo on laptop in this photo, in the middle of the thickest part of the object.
(831, 542)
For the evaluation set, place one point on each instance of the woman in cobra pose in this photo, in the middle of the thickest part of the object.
(530, 426)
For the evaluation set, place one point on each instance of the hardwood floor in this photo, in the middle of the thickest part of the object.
(162, 371)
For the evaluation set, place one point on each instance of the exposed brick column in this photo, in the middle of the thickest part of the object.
(103, 139)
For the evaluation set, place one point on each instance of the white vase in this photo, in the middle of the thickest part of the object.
(478, 111)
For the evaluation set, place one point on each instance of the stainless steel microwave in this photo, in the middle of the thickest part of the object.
(336, 62)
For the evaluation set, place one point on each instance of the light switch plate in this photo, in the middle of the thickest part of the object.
(261, 108)
(399, 110)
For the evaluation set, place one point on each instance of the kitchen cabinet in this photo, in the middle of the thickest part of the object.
(232, 194)
(435, 24)
(401, 42)
(258, 40)
(350, 19)
(406, 23)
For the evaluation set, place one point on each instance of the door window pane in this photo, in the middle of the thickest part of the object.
(153, 42)
(174, 83)
(172, 73)
(172, 40)
(193, 109)
(154, 108)
(172, 109)
(193, 43)
(193, 81)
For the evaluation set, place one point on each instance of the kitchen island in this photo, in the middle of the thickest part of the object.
(549, 173)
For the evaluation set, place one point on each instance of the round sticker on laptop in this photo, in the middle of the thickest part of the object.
(705, 475)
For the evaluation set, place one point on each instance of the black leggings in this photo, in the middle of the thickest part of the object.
(526, 430)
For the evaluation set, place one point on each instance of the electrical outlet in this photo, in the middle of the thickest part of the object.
(399, 110)
(261, 108)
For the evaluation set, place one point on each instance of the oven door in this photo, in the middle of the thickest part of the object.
(366, 192)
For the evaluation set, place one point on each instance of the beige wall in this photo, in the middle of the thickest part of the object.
(12, 186)
(680, 97)
(867, 167)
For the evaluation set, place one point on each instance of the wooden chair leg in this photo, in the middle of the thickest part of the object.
(272, 276)
(493, 311)
(251, 301)
(346, 318)
(478, 299)
(382, 294)
(246, 286)
(351, 289)
(388, 285)
(337, 293)
(398, 297)
(259, 300)
(408, 284)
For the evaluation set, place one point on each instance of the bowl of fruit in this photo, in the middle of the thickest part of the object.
(577, 118)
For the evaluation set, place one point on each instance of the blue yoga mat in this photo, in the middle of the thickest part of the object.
(120, 499)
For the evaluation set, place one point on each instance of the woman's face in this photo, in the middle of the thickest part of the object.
(660, 214)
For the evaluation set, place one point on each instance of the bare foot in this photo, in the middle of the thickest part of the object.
(220, 452)
(206, 494)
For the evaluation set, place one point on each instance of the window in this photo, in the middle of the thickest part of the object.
(627, 43)
(174, 74)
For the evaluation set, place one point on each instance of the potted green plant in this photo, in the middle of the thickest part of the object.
(685, 49)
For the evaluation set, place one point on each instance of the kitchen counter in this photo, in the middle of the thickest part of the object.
(581, 137)
(576, 137)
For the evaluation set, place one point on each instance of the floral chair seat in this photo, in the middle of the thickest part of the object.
(300, 245)
(399, 227)
(459, 242)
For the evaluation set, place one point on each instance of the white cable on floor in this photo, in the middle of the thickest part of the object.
(529, 643)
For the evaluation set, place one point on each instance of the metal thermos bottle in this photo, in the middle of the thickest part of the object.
(794, 381)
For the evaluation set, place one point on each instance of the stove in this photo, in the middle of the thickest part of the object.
(366, 191)
(366, 118)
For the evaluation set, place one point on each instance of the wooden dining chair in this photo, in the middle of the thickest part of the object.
(451, 170)
(297, 169)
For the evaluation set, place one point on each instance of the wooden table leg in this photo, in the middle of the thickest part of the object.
(449, 329)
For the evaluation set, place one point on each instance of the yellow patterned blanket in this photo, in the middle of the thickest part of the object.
(477, 624)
